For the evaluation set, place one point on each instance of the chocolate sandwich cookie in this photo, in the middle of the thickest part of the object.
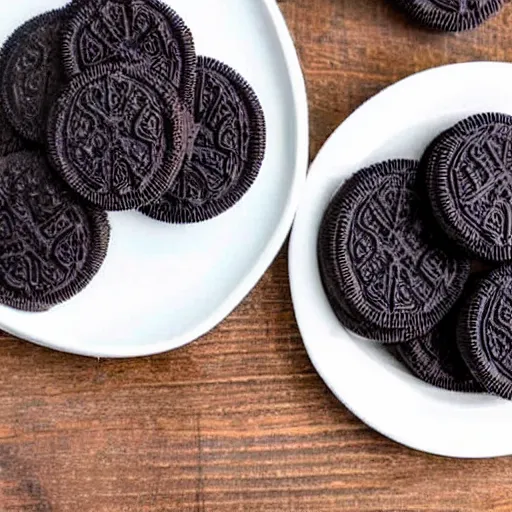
(469, 182)
(484, 333)
(436, 359)
(451, 15)
(32, 74)
(226, 154)
(51, 244)
(144, 33)
(381, 254)
(117, 136)
(348, 317)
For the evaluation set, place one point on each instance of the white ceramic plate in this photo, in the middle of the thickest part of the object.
(162, 286)
(398, 122)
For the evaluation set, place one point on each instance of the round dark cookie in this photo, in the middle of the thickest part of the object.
(484, 333)
(451, 15)
(347, 317)
(227, 151)
(32, 73)
(51, 244)
(117, 137)
(383, 256)
(144, 33)
(436, 359)
(469, 182)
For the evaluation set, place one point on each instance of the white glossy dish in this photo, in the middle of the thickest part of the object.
(162, 286)
(398, 122)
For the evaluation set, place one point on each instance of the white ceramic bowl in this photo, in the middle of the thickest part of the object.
(398, 122)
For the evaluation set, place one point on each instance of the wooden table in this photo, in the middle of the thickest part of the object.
(239, 420)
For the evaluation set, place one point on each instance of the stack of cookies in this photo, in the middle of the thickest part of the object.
(417, 255)
(105, 106)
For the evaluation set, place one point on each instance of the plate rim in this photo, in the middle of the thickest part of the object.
(294, 269)
(273, 245)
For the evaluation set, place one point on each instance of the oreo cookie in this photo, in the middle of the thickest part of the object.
(469, 182)
(144, 33)
(436, 358)
(349, 318)
(51, 245)
(381, 254)
(484, 332)
(451, 15)
(226, 154)
(118, 137)
(32, 75)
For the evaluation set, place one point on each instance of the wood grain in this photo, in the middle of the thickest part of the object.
(239, 421)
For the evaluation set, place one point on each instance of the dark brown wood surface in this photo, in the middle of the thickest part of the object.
(239, 421)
